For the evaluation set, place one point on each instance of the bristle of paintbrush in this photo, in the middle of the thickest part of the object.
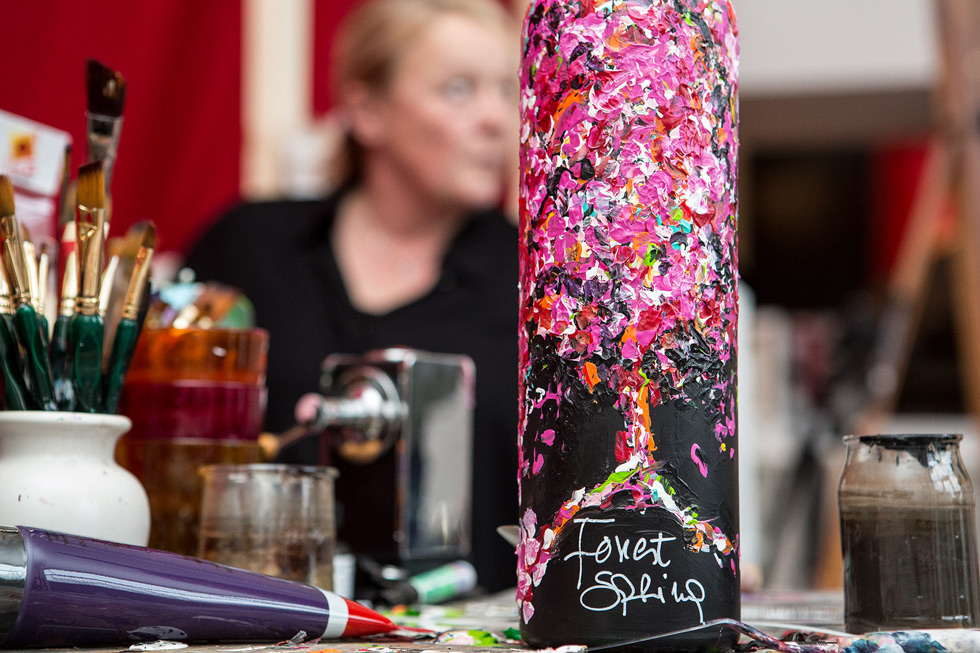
(146, 232)
(141, 234)
(90, 188)
(106, 90)
(45, 248)
(6, 196)
(114, 247)
(13, 249)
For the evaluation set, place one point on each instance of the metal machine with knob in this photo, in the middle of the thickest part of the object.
(398, 426)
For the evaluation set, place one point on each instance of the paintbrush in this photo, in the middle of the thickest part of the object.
(67, 243)
(64, 393)
(105, 286)
(14, 392)
(128, 329)
(36, 260)
(116, 287)
(115, 282)
(191, 312)
(44, 249)
(211, 305)
(221, 303)
(30, 264)
(85, 328)
(6, 312)
(106, 97)
(26, 326)
(7, 317)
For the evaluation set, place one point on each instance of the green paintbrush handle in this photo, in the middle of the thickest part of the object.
(123, 346)
(45, 329)
(85, 361)
(13, 353)
(28, 330)
(14, 393)
(64, 393)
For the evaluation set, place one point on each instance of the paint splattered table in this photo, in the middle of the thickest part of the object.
(885, 643)
(488, 625)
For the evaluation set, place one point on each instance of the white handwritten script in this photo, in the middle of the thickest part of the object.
(610, 589)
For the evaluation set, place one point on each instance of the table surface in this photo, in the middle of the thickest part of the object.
(489, 625)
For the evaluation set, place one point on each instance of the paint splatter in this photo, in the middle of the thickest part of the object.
(628, 268)
(695, 456)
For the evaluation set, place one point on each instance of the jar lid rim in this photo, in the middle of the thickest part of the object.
(899, 439)
(243, 471)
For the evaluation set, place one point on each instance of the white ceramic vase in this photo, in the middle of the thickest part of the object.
(58, 472)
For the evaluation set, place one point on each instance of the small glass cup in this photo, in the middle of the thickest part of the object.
(908, 534)
(273, 519)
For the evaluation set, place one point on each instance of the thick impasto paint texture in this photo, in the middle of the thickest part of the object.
(628, 461)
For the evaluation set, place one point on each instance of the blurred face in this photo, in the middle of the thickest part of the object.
(447, 122)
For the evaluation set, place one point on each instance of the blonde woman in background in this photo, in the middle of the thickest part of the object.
(412, 249)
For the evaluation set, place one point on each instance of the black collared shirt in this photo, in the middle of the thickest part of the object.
(279, 255)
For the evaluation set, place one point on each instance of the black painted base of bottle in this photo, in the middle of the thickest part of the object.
(620, 576)
(710, 640)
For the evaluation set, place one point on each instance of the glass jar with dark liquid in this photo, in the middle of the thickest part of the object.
(908, 533)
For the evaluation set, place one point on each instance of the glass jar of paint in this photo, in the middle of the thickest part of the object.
(908, 534)
(196, 397)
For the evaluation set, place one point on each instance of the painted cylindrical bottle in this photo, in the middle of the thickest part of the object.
(628, 458)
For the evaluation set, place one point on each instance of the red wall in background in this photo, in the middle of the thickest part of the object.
(896, 169)
(328, 14)
(179, 152)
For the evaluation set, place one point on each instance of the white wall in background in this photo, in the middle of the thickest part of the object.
(276, 72)
(797, 46)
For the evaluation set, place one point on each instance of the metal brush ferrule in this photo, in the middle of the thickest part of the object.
(31, 268)
(108, 280)
(69, 286)
(89, 234)
(66, 307)
(13, 262)
(87, 305)
(103, 141)
(43, 273)
(134, 293)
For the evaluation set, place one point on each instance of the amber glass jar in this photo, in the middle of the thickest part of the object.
(196, 397)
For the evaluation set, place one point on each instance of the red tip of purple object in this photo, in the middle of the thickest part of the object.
(362, 621)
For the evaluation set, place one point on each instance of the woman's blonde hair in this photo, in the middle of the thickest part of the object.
(372, 39)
